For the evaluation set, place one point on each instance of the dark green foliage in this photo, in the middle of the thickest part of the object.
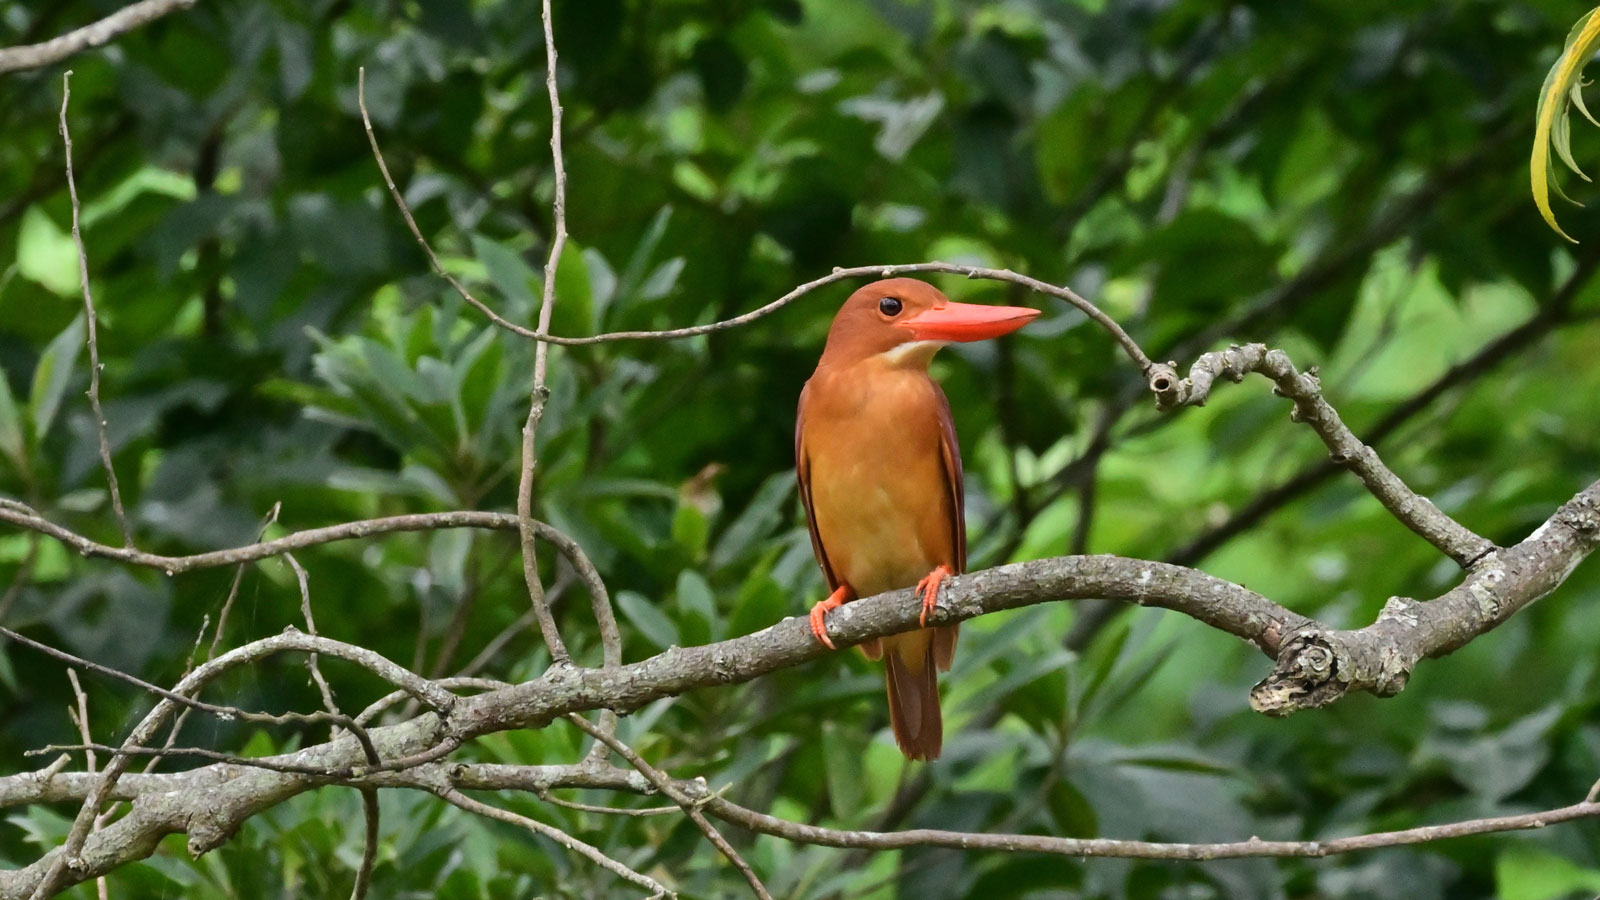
(1344, 180)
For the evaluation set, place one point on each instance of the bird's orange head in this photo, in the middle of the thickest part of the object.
(906, 320)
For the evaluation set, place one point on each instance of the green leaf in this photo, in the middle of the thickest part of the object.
(46, 254)
(633, 277)
(510, 275)
(845, 771)
(764, 513)
(11, 439)
(52, 376)
(760, 603)
(698, 603)
(1525, 872)
(690, 530)
(574, 310)
(649, 620)
(8, 672)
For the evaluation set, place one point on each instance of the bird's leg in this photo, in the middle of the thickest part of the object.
(928, 590)
(834, 601)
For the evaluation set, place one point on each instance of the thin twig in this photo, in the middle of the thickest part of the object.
(455, 684)
(419, 687)
(690, 805)
(369, 796)
(238, 579)
(323, 687)
(1552, 315)
(226, 713)
(24, 516)
(547, 797)
(183, 714)
(80, 718)
(1109, 847)
(499, 641)
(1305, 389)
(216, 637)
(90, 322)
(355, 776)
(369, 846)
(542, 335)
(539, 394)
(588, 851)
(605, 617)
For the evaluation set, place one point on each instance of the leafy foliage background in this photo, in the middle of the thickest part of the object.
(1344, 180)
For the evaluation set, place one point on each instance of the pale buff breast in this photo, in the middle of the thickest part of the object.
(878, 484)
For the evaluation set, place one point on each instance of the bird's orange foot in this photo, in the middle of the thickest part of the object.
(834, 601)
(928, 590)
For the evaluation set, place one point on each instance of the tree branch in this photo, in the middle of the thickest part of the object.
(24, 517)
(35, 56)
(539, 394)
(1318, 665)
(588, 851)
(1414, 511)
(91, 322)
(690, 806)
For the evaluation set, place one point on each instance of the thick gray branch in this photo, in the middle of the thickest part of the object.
(228, 794)
(1315, 666)
(1319, 665)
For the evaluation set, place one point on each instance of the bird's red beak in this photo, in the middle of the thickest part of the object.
(967, 322)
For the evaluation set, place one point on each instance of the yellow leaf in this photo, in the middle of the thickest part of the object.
(1553, 129)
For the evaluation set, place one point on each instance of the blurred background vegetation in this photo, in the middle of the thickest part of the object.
(1347, 181)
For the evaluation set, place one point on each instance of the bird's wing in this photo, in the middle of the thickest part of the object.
(802, 471)
(953, 476)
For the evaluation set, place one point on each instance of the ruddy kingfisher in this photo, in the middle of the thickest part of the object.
(880, 476)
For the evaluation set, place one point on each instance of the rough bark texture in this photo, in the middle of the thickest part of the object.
(1314, 666)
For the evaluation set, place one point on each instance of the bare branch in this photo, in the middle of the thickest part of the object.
(537, 778)
(424, 690)
(688, 804)
(1109, 847)
(80, 718)
(542, 335)
(211, 815)
(588, 851)
(238, 579)
(54, 785)
(35, 56)
(1318, 665)
(90, 323)
(539, 394)
(369, 796)
(607, 810)
(456, 683)
(323, 688)
(1413, 510)
(1493, 590)
(1552, 315)
(23, 516)
(369, 847)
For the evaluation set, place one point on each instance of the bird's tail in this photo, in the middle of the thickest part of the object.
(911, 672)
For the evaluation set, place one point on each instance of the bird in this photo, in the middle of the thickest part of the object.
(880, 477)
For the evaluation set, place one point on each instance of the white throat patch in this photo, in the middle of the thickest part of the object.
(912, 353)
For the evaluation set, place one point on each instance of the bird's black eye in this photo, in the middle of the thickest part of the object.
(889, 306)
